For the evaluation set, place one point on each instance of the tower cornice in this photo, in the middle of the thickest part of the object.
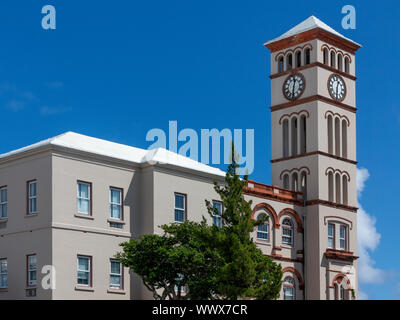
(316, 33)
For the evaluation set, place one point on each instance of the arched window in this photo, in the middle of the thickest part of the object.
(337, 137)
(303, 184)
(289, 61)
(345, 190)
(330, 186)
(340, 62)
(298, 59)
(295, 182)
(285, 138)
(337, 185)
(287, 232)
(286, 181)
(303, 136)
(344, 138)
(280, 64)
(294, 136)
(333, 58)
(307, 56)
(330, 134)
(325, 56)
(263, 229)
(288, 289)
(340, 290)
(346, 65)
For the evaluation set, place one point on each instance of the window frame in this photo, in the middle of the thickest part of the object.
(333, 236)
(2, 272)
(90, 197)
(343, 226)
(29, 282)
(289, 285)
(184, 195)
(263, 232)
(3, 204)
(291, 228)
(121, 204)
(121, 275)
(90, 285)
(218, 216)
(29, 197)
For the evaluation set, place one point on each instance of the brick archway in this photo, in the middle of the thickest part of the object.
(295, 215)
(267, 207)
(296, 273)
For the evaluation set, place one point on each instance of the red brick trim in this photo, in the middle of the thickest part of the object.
(271, 210)
(284, 53)
(334, 171)
(289, 115)
(295, 215)
(339, 278)
(331, 204)
(295, 169)
(297, 273)
(337, 114)
(314, 153)
(340, 255)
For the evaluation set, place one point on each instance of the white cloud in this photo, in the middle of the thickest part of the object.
(362, 295)
(368, 237)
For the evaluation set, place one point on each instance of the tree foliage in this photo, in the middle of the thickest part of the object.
(211, 262)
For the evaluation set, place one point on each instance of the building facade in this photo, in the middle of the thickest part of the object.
(66, 203)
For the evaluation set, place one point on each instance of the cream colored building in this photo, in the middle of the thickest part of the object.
(69, 201)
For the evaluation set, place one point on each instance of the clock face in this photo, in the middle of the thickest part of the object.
(293, 86)
(336, 87)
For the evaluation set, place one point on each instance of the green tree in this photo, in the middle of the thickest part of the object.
(212, 262)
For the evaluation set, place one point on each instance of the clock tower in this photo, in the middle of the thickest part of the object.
(313, 140)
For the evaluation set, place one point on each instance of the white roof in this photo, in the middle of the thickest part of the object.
(308, 24)
(106, 148)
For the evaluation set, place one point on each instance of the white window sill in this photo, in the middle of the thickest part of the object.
(116, 291)
(30, 215)
(267, 243)
(84, 288)
(3, 289)
(3, 220)
(83, 216)
(115, 221)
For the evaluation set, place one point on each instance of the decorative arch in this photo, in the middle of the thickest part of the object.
(339, 218)
(295, 215)
(336, 51)
(337, 114)
(295, 169)
(339, 278)
(271, 210)
(296, 273)
(290, 114)
(336, 171)
(284, 53)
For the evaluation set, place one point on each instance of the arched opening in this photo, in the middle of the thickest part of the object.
(345, 190)
(340, 62)
(289, 61)
(330, 186)
(285, 138)
(287, 232)
(303, 184)
(303, 134)
(337, 185)
(288, 289)
(263, 229)
(295, 182)
(333, 58)
(330, 134)
(325, 56)
(337, 137)
(280, 64)
(346, 65)
(298, 59)
(286, 181)
(307, 57)
(294, 136)
(344, 138)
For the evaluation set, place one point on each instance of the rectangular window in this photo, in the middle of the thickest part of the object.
(3, 202)
(331, 236)
(217, 218)
(116, 273)
(84, 197)
(178, 287)
(31, 270)
(116, 203)
(32, 197)
(342, 238)
(3, 273)
(85, 271)
(180, 207)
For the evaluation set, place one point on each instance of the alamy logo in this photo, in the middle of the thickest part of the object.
(199, 149)
(349, 20)
(49, 20)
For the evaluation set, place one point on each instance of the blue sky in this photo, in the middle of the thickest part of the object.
(116, 69)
